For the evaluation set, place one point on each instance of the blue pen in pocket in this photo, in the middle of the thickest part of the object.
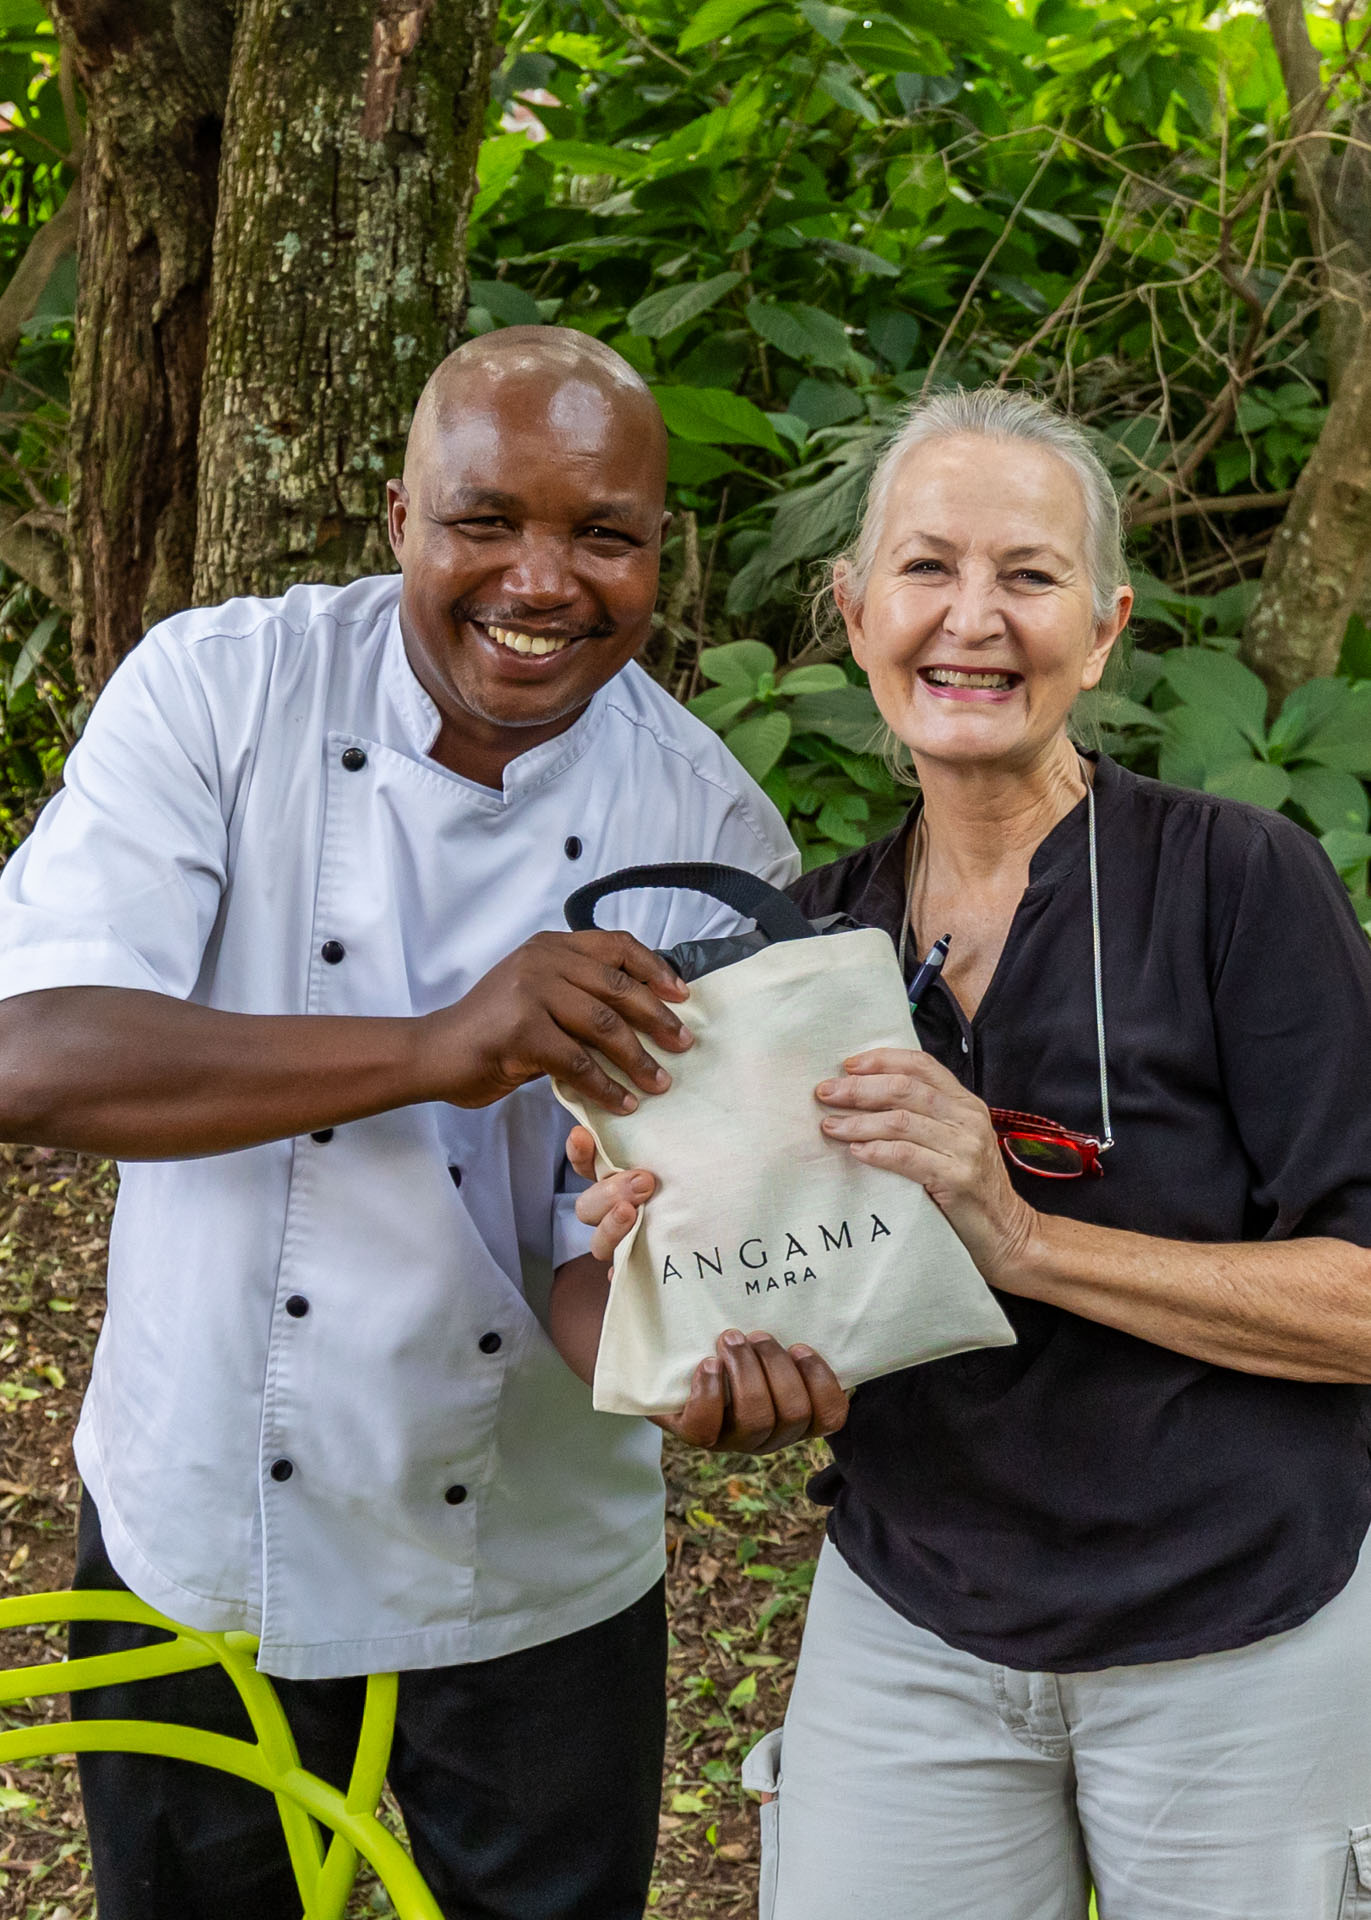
(929, 971)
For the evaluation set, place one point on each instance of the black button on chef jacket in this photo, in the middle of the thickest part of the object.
(1086, 1499)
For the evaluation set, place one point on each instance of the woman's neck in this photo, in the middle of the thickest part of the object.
(983, 823)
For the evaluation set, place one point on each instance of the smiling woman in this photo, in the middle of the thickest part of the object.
(1095, 1597)
(1038, 1542)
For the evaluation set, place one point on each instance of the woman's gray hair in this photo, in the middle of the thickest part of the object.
(990, 413)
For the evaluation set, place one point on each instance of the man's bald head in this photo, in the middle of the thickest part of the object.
(570, 375)
(528, 528)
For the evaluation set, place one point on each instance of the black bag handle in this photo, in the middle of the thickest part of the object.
(774, 912)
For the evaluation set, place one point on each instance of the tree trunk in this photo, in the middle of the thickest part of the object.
(155, 76)
(347, 173)
(1332, 178)
(1317, 567)
(1318, 563)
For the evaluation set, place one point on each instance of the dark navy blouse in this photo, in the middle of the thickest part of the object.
(1086, 1499)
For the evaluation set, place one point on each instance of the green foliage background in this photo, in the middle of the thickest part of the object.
(40, 707)
(795, 218)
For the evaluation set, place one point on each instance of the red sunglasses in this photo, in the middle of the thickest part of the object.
(1041, 1146)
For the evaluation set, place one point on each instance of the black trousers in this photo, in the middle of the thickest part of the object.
(530, 1784)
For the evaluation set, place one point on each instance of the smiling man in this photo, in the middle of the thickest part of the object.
(282, 947)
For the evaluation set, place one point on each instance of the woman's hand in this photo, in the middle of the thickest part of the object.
(751, 1395)
(611, 1205)
(900, 1109)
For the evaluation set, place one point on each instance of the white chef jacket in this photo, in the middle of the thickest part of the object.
(323, 1405)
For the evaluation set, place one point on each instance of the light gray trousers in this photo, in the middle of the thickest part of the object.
(915, 1782)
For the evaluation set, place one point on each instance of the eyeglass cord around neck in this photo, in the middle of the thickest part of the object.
(1107, 1134)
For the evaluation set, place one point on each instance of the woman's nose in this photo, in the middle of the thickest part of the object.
(973, 610)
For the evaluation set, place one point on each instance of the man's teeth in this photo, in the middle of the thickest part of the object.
(952, 677)
(528, 642)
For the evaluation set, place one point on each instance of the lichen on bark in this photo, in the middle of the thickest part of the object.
(155, 75)
(347, 172)
(1319, 561)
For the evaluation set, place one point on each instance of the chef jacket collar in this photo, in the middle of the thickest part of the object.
(421, 721)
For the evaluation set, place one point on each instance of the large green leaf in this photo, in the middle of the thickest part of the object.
(894, 334)
(1334, 801)
(739, 665)
(823, 677)
(496, 165)
(861, 259)
(506, 301)
(1347, 851)
(715, 19)
(1056, 224)
(848, 715)
(840, 90)
(719, 707)
(691, 465)
(1220, 685)
(812, 522)
(1327, 721)
(1256, 781)
(1198, 744)
(758, 744)
(825, 403)
(715, 416)
(1113, 709)
(588, 157)
(840, 825)
(31, 653)
(1354, 662)
(831, 23)
(884, 47)
(661, 313)
(804, 333)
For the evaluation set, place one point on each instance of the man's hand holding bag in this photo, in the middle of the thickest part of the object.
(757, 1218)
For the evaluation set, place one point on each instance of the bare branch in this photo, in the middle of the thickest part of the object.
(1221, 503)
(36, 555)
(20, 298)
(635, 32)
(986, 264)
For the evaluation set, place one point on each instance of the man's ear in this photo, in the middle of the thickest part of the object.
(667, 519)
(397, 509)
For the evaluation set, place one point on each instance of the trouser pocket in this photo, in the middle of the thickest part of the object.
(1356, 1886)
(762, 1774)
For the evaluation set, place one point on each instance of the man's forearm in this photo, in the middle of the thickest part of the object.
(1294, 1309)
(142, 1076)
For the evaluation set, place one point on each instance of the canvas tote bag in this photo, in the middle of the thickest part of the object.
(758, 1220)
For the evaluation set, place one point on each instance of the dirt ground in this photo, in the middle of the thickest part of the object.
(741, 1537)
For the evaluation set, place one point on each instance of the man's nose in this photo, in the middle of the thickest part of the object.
(541, 574)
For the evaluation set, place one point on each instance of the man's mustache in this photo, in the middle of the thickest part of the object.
(522, 621)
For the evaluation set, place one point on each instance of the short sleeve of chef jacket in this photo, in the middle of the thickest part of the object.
(119, 884)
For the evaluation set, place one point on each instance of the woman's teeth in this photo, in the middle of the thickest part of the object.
(951, 677)
(528, 642)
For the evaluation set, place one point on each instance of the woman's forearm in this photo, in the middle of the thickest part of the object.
(1295, 1309)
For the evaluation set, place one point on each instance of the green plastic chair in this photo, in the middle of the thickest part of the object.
(324, 1871)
